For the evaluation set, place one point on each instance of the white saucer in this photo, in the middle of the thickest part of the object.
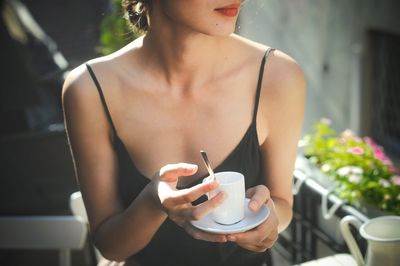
(251, 219)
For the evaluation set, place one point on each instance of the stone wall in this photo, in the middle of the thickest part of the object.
(328, 39)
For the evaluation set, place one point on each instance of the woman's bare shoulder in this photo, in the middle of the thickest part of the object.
(281, 71)
(284, 73)
(249, 48)
(107, 63)
(106, 69)
(77, 84)
(284, 87)
(79, 90)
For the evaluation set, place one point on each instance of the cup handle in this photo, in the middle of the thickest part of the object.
(350, 241)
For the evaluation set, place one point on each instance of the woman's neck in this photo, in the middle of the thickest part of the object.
(183, 58)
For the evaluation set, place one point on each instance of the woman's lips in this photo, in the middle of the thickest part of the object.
(229, 11)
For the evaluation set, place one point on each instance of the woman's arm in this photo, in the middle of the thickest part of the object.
(284, 115)
(280, 118)
(117, 232)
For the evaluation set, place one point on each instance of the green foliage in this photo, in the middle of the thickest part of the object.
(115, 30)
(362, 172)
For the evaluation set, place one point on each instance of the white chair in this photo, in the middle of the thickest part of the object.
(78, 209)
(63, 233)
(77, 206)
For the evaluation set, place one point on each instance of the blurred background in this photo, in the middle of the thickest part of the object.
(349, 51)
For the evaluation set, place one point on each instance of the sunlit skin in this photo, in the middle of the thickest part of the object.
(187, 85)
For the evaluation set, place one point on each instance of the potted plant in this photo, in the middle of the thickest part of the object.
(361, 172)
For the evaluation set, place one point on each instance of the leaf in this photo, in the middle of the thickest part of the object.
(115, 30)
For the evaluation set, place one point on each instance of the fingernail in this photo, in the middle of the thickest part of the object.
(254, 205)
(210, 185)
(190, 167)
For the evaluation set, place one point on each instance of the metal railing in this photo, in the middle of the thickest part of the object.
(316, 215)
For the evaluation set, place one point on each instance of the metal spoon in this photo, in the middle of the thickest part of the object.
(208, 165)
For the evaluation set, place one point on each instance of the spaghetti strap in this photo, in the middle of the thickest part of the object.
(102, 98)
(259, 83)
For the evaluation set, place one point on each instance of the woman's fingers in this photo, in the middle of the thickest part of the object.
(193, 213)
(193, 193)
(258, 196)
(201, 235)
(206, 207)
(256, 235)
(171, 172)
(167, 178)
(263, 236)
(253, 242)
(256, 248)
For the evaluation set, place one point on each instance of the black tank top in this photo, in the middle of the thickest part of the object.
(171, 245)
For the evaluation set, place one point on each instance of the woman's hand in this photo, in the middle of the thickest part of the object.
(265, 235)
(177, 204)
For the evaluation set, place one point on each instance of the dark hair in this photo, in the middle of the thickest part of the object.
(136, 12)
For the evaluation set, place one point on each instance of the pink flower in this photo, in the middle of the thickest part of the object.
(396, 180)
(379, 153)
(370, 142)
(356, 150)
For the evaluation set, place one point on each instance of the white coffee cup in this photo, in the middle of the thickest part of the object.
(231, 209)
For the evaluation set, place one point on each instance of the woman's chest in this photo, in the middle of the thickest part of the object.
(156, 133)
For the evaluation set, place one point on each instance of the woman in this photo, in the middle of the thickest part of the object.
(137, 119)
